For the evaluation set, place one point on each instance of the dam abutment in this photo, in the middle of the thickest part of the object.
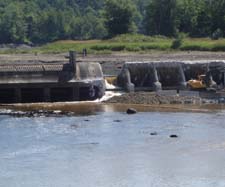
(51, 82)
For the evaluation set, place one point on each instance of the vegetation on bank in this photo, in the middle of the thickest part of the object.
(127, 43)
(43, 21)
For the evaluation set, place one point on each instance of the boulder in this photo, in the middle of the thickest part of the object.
(173, 136)
(131, 111)
(153, 133)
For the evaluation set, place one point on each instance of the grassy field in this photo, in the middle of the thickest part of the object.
(127, 43)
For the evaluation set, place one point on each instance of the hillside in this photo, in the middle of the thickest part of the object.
(35, 21)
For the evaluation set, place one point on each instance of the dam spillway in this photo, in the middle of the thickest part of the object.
(51, 82)
(167, 75)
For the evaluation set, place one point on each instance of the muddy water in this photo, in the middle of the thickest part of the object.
(107, 149)
(90, 108)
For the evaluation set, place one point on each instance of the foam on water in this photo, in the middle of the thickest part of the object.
(109, 86)
(109, 94)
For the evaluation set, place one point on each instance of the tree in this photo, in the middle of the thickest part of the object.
(47, 20)
(88, 26)
(13, 27)
(203, 25)
(161, 17)
(187, 12)
(218, 15)
(119, 15)
(139, 17)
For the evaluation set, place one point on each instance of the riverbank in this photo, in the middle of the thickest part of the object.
(123, 43)
(93, 108)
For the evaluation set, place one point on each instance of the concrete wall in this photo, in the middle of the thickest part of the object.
(88, 71)
(51, 82)
(166, 75)
(51, 92)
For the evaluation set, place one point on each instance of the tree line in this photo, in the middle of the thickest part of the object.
(35, 21)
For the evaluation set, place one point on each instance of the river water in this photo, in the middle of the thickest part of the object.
(113, 149)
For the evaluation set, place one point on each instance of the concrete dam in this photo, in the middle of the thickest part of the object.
(82, 81)
(168, 75)
(51, 82)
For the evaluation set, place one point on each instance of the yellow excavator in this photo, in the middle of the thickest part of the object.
(205, 81)
(197, 84)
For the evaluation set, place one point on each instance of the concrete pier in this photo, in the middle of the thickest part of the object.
(156, 85)
(167, 75)
(182, 82)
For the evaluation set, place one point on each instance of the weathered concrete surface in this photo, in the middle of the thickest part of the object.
(50, 82)
(112, 63)
(156, 75)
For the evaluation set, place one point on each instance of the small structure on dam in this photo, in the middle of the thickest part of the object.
(51, 82)
(154, 76)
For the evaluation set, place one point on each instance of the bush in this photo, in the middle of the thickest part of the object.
(195, 47)
(100, 47)
(178, 41)
(219, 47)
(118, 47)
(149, 47)
(217, 34)
(133, 48)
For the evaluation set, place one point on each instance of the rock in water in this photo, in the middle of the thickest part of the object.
(117, 120)
(131, 111)
(173, 136)
(153, 133)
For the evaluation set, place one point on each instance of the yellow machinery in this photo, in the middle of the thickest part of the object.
(111, 80)
(197, 84)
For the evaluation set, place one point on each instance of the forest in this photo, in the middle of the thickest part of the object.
(36, 22)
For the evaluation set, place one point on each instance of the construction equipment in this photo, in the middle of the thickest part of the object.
(205, 81)
(197, 84)
(111, 80)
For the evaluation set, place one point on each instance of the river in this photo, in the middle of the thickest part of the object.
(113, 149)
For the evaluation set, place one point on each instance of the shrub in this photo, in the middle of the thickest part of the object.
(118, 48)
(133, 48)
(178, 41)
(195, 47)
(100, 47)
(217, 34)
(218, 47)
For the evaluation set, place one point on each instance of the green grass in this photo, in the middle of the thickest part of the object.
(203, 44)
(126, 43)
